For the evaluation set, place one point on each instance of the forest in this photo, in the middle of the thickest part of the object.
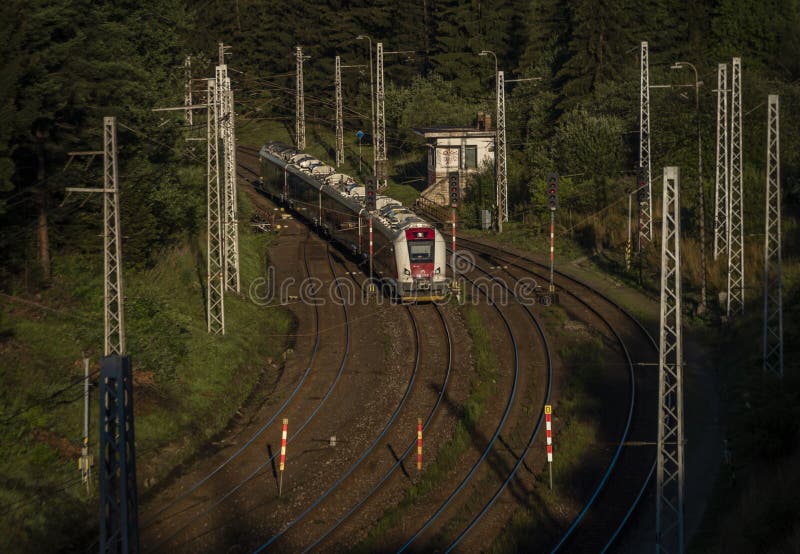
(69, 63)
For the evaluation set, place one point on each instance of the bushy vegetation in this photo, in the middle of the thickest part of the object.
(67, 64)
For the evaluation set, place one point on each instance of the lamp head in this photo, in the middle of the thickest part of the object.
(676, 65)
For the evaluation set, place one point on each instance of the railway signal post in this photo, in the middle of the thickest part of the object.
(548, 412)
(452, 178)
(370, 204)
(552, 205)
(628, 242)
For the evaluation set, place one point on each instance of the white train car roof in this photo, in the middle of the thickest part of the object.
(391, 215)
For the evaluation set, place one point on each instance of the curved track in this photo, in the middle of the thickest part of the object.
(603, 515)
(189, 516)
(627, 475)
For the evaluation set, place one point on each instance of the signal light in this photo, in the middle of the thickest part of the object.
(552, 191)
(641, 185)
(370, 194)
(452, 178)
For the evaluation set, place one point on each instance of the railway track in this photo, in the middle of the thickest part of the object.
(512, 319)
(600, 520)
(334, 499)
(187, 509)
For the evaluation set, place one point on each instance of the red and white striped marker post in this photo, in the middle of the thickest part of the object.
(419, 444)
(284, 432)
(548, 410)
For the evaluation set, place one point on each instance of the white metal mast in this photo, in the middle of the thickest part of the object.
(112, 260)
(230, 223)
(670, 476)
(721, 181)
(502, 179)
(735, 199)
(339, 117)
(773, 301)
(645, 215)
(215, 285)
(300, 109)
(380, 121)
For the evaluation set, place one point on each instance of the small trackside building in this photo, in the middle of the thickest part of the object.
(462, 149)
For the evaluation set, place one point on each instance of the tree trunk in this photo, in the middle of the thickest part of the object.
(42, 228)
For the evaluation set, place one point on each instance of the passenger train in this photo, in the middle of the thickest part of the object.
(409, 253)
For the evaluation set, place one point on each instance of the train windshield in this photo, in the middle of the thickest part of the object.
(420, 251)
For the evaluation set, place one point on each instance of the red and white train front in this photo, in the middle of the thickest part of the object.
(421, 257)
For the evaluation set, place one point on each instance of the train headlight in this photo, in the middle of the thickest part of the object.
(407, 271)
(438, 270)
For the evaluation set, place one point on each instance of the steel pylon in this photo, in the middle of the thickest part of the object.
(227, 133)
(500, 152)
(339, 116)
(645, 213)
(215, 304)
(112, 260)
(735, 198)
(773, 302)
(380, 121)
(721, 179)
(300, 106)
(670, 475)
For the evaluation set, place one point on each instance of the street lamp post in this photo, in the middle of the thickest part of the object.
(701, 195)
(371, 99)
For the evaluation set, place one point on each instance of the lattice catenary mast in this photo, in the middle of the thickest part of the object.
(300, 108)
(735, 198)
(501, 178)
(645, 202)
(339, 117)
(380, 120)
(227, 134)
(721, 180)
(112, 261)
(215, 285)
(670, 475)
(773, 302)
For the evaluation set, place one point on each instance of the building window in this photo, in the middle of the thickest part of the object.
(471, 157)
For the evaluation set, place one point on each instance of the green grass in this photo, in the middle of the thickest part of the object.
(482, 386)
(188, 384)
(575, 437)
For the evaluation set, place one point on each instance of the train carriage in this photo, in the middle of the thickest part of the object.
(409, 253)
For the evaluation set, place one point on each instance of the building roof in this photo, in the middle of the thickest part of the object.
(449, 132)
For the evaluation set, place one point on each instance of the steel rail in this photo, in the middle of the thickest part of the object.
(154, 517)
(364, 455)
(407, 451)
(490, 445)
(300, 429)
(493, 251)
